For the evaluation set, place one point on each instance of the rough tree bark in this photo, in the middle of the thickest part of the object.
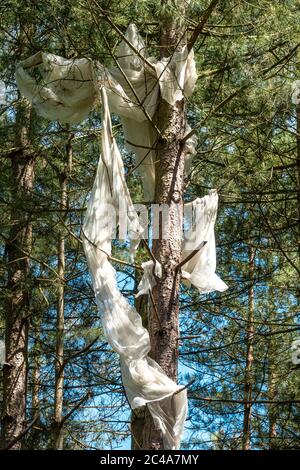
(171, 121)
(18, 283)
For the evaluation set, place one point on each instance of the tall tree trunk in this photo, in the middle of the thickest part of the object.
(36, 372)
(169, 190)
(272, 396)
(58, 431)
(18, 283)
(298, 180)
(249, 357)
(35, 356)
(272, 377)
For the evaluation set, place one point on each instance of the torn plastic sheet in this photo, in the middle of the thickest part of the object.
(200, 217)
(68, 91)
(143, 379)
(151, 270)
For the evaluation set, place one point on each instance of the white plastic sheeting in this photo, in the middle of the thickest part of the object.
(151, 270)
(143, 379)
(177, 76)
(67, 90)
(200, 217)
(173, 77)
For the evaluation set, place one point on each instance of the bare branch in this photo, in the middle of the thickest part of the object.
(197, 31)
(191, 255)
(78, 404)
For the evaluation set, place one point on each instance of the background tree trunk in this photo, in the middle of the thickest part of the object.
(298, 181)
(169, 190)
(249, 357)
(58, 431)
(18, 283)
(36, 375)
(272, 394)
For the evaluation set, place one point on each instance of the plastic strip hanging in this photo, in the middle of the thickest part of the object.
(200, 217)
(143, 379)
(67, 90)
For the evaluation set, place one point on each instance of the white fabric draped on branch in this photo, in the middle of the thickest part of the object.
(200, 217)
(143, 379)
(67, 90)
(69, 87)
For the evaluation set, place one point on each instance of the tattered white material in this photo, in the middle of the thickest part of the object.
(68, 90)
(139, 84)
(143, 379)
(173, 76)
(65, 91)
(177, 76)
(200, 217)
(151, 270)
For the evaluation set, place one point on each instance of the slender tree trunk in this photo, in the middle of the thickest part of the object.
(58, 431)
(36, 372)
(18, 283)
(36, 375)
(169, 190)
(249, 358)
(298, 179)
(272, 396)
(34, 382)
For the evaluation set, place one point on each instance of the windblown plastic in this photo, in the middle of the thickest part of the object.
(67, 90)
